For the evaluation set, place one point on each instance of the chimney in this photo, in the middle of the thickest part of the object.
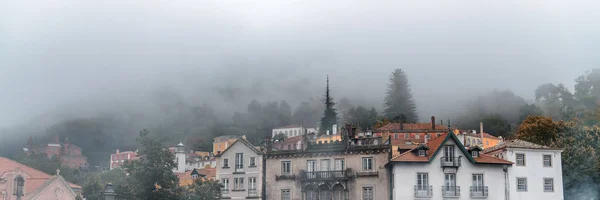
(432, 122)
(117, 151)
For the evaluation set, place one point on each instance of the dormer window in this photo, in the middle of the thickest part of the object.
(475, 153)
(422, 153)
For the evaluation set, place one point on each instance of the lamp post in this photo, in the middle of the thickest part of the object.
(109, 192)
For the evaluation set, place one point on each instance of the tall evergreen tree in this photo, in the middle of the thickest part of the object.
(330, 115)
(399, 100)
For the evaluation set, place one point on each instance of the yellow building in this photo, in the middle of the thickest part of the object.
(470, 138)
(329, 138)
(222, 142)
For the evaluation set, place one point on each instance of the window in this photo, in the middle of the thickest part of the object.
(547, 160)
(367, 163)
(325, 165)
(478, 182)
(339, 164)
(406, 136)
(548, 185)
(427, 136)
(421, 152)
(367, 193)
(521, 184)
(520, 159)
(422, 181)
(417, 136)
(239, 160)
(312, 165)
(252, 183)
(286, 167)
(475, 153)
(225, 182)
(225, 163)
(252, 161)
(19, 184)
(238, 183)
(285, 194)
(396, 136)
(194, 176)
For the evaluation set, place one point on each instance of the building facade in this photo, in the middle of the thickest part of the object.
(415, 132)
(223, 142)
(69, 155)
(21, 182)
(240, 170)
(536, 172)
(119, 158)
(292, 131)
(350, 169)
(443, 168)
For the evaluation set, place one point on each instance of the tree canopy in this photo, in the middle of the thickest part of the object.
(399, 100)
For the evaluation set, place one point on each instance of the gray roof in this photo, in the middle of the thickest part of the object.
(517, 144)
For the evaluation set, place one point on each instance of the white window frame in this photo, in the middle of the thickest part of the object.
(406, 136)
(551, 184)
(517, 159)
(252, 183)
(372, 188)
(475, 154)
(421, 152)
(239, 161)
(544, 160)
(342, 164)
(252, 161)
(225, 182)
(369, 166)
(238, 183)
(522, 178)
(283, 167)
(225, 163)
(289, 191)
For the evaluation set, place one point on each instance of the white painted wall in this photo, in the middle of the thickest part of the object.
(256, 172)
(290, 132)
(180, 158)
(405, 177)
(535, 172)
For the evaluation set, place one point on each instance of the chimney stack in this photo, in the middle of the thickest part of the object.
(117, 151)
(432, 122)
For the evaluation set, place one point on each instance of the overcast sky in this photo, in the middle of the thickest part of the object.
(55, 53)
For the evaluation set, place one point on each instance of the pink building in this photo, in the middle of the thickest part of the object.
(117, 159)
(68, 154)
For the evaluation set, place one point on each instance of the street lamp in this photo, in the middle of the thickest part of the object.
(109, 193)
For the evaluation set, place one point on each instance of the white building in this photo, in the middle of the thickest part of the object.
(180, 157)
(443, 168)
(239, 169)
(199, 164)
(292, 130)
(536, 172)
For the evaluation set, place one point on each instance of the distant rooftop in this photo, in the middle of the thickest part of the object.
(228, 137)
(517, 144)
(411, 126)
(288, 126)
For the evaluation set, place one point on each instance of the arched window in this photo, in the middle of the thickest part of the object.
(19, 185)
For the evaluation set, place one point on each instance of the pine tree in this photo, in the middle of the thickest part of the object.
(330, 115)
(399, 100)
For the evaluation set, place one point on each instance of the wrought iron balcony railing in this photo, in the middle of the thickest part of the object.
(252, 193)
(423, 191)
(479, 191)
(326, 175)
(450, 161)
(450, 191)
(225, 193)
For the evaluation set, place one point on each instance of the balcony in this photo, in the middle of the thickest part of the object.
(479, 191)
(450, 191)
(285, 177)
(450, 161)
(252, 193)
(225, 194)
(423, 191)
(325, 175)
(239, 169)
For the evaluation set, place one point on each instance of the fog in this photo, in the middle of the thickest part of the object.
(60, 59)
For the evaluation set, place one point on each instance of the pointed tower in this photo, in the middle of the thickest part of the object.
(180, 158)
(28, 146)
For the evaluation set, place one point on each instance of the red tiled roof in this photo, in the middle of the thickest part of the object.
(288, 141)
(36, 178)
(209, 172)
(405, 144)
(434, 145)
(411, 126)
